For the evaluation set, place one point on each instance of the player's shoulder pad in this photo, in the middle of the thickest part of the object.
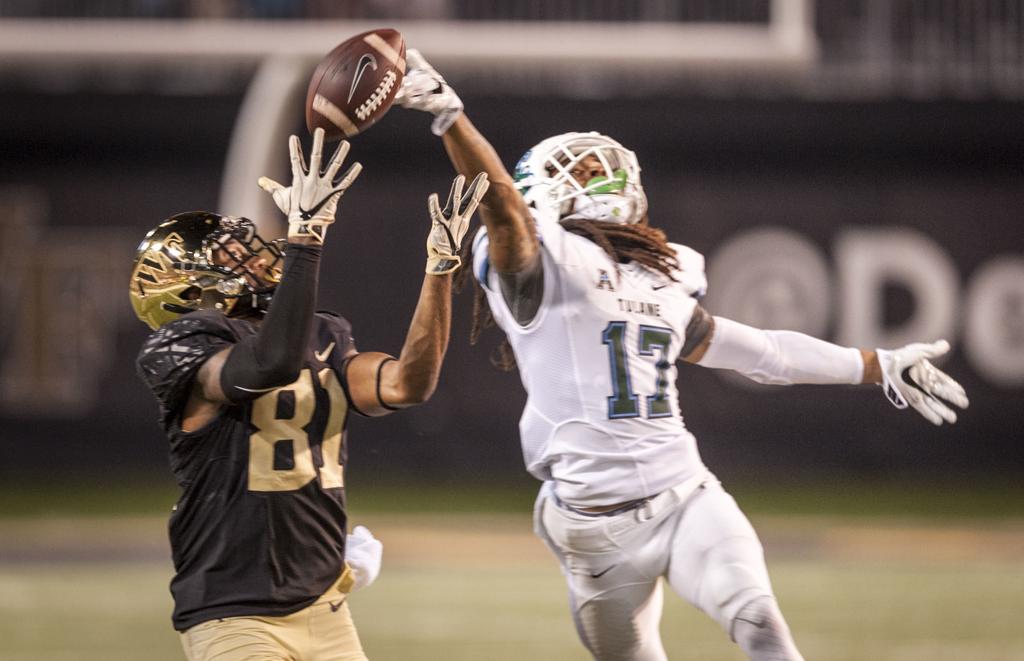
(333, 317)
(691, 267)
(172, 354)
(187, 327)
(689, 259)
(481, 259)
(544, 224)
(335, 321)
(481, 245)
(336, 326)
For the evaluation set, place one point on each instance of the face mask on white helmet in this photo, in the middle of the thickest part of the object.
(544, 177)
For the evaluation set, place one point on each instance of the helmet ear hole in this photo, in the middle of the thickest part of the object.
(192, 293)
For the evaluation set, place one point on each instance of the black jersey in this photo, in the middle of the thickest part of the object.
(260, 525)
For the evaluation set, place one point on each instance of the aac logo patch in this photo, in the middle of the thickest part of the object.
(604, 281)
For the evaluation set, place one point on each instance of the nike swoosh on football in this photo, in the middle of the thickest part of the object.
(322, 355)
(367, 60)
(601, 573)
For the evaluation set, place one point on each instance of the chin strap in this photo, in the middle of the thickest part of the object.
(609, 208)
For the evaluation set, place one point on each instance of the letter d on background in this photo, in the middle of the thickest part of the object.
(868, 259)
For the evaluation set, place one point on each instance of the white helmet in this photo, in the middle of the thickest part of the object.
(543, 176)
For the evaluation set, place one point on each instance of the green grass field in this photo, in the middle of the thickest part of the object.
(78, 582)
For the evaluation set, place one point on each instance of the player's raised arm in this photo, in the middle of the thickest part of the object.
(513, 244)
(274, 355)
(379, 383)
(788, 357)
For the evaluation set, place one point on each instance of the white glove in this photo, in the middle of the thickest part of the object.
(363, 554)
(312, 200)
(908, 378)
(425, 89)
(449, 225)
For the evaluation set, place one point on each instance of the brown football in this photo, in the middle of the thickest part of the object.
(355, 84)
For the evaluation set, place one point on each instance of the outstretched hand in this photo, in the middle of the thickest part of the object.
(909, 379)
(312, 200)
(449, 225)
(423, 88)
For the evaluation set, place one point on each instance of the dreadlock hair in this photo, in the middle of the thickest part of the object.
(503, 358)
(638, 243)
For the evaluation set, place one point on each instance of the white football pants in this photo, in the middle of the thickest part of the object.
(693, 535)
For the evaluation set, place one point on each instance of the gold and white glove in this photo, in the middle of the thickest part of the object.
(449, 225)
(363, 554)
(908, 378)
(312, 200)
(423, 88)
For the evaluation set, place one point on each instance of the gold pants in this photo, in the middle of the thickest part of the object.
(323, 631)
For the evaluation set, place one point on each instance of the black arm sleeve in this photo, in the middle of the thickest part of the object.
(274, 356)
(523, 291)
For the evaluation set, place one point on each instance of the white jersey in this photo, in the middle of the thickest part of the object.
(598, 363)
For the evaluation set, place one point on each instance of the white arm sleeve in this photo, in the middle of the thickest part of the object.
(780, 357)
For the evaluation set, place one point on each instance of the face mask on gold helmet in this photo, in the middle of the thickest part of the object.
(202, 260)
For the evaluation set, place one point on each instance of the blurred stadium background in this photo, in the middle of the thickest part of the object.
(853, 169)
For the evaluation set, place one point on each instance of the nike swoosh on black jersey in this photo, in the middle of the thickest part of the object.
(322, 355)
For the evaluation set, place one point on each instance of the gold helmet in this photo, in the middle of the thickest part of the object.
(199, 260)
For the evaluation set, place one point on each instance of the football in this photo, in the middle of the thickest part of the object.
(355, 84)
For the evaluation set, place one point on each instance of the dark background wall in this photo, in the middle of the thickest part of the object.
(713, 169)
